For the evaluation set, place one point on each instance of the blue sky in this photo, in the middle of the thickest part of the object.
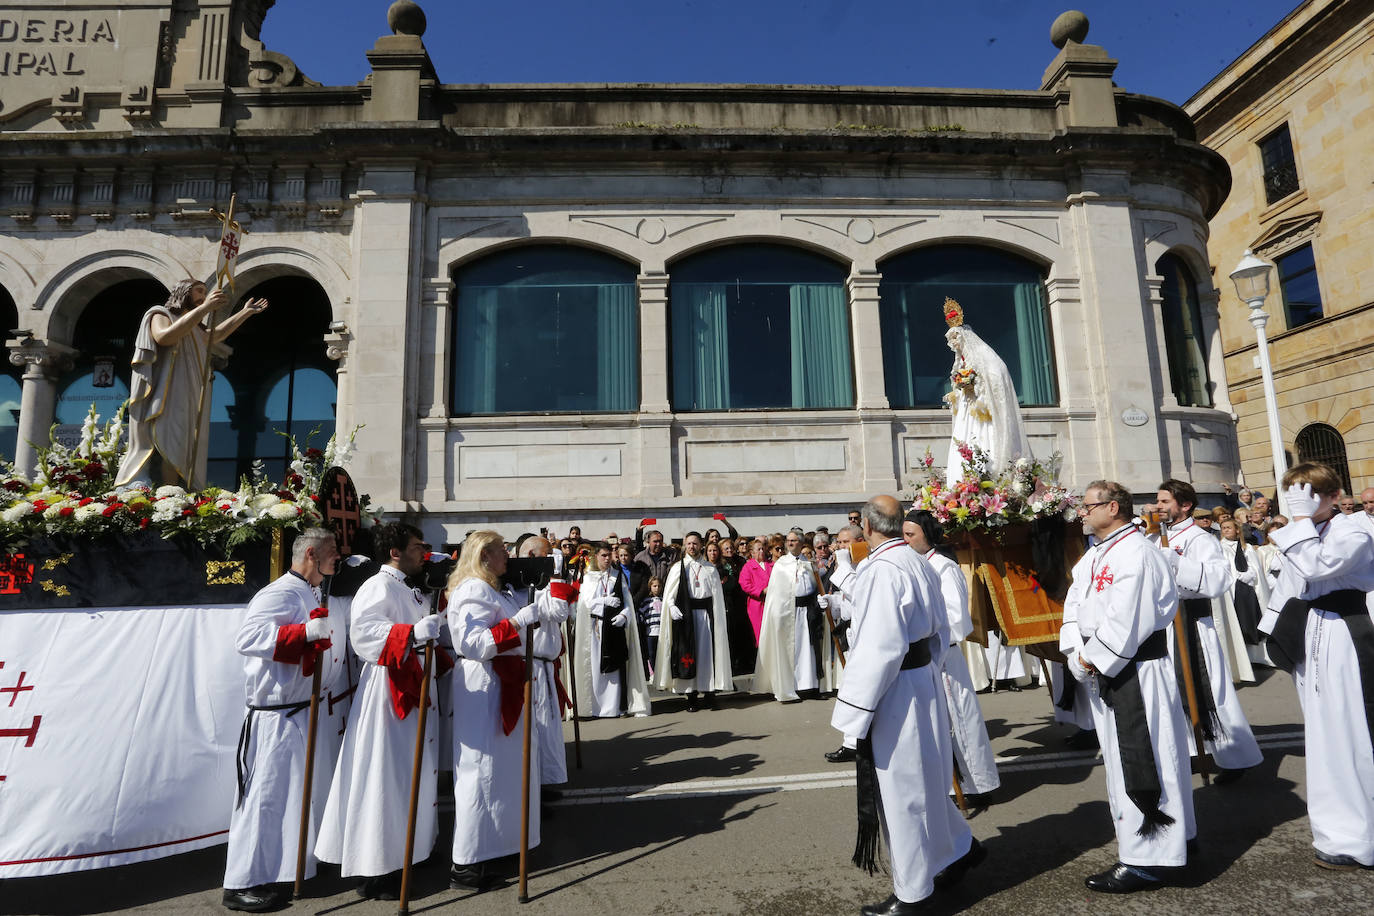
(1167, 48)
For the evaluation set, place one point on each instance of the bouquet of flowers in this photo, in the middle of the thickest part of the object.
(73, 493)
(986, 499)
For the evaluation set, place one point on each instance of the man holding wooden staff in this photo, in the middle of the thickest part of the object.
(1115, 640)
(364, 825)
(169, 408)
(1202, 575)
(284, 636)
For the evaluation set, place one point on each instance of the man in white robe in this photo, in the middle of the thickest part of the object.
(693, 641)
(550, 698)
(364, 825)
(605, 602)
(284, 636)
(1321, 632)
(1201, 575)
(892, 704)
(169, 400)
(972, 748)
(793, 638)
(1115, 637)
(843, 575)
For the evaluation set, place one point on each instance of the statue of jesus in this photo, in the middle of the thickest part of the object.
(169, 400)
(983, 399)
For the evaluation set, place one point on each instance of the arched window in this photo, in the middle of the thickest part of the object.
(1185, 341)
(11, 381)
(1003, 297)
(1323, 444)
(545, 329)
(759, 326)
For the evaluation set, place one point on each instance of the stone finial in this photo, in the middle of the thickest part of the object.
(1069, 26)
(406, 18)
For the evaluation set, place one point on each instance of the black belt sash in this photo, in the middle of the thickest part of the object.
(1246, 603)
(683, 663)
(866, 777)
(1209, 721)
(1122, 693)
(815, 627)
(245, 736)
(1287, 644)
(615, 644)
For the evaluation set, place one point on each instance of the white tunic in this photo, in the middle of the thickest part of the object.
(488, 763)
(897, 602)
(264, 828)
(1202, 572)
(713, 643)
(1241, 655)
(1121, 593)
(786, 661)
(548, 713)
(1317, 560)
(599, 694)
(972, 749)
(364, 825)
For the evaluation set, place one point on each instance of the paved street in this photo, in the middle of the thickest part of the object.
(735, 811)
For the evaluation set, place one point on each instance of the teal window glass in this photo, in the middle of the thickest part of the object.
(545, 329)
(758, 327)
(1184, 339)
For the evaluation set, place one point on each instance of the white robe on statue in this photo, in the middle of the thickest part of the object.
(164, 400)
(264, 827)
(972, 748)
(903, 713)
(488, 763)
(713, 671)
(1201, 572)
(1317, 560)
(1122, 592)
(987, 416)
(786, 661)
(599, 694)
(364, 824)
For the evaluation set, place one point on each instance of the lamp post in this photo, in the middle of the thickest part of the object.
(1251, 277)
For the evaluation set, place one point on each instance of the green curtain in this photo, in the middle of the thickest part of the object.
(617, 356)
(476, 383)
(1036, 384)
(821, 371)
(898, 367)
(701, 347)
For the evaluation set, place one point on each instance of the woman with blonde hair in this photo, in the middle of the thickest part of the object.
(489, 630)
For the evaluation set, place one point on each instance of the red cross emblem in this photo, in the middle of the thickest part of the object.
(229, 245)
(1103, 579)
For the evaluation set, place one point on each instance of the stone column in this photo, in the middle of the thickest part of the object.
(655, 409)
(43, 361)
(870, 387)
(1209, 301)
(336, 346)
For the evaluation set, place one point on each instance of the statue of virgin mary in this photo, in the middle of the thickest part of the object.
(983, 399)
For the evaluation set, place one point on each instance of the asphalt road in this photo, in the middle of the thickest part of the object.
(735, 811)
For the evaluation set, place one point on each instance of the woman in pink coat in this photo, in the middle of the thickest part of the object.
(753, 579)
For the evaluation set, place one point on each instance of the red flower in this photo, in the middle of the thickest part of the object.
(143, 522)
(186, 512)
(39, 505)
(14, 486)
(111, 510)
(85, 501)
(65, 511)
(314, 453)
(295, 480)
(71, 480)
(93, 470)
(285, 494)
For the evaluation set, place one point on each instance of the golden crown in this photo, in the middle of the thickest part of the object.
(954, 313)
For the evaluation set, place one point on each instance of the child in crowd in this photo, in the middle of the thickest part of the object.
(649, 611)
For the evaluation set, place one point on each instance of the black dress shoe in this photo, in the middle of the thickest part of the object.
(1329, 860)
(1121, 879)
(692, 702)
(381, 887)
(1085, 739)
(893, 907)
(479, 876)
(711, 699)
(261, 899)
(841, 754)
(955, 871)
(1225, 777)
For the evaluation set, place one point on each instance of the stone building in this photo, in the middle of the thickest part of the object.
(1292, 116)
(554, 304)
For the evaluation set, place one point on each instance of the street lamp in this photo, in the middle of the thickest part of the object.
(1251, 277)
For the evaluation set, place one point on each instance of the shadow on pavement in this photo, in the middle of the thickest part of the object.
(105, 889)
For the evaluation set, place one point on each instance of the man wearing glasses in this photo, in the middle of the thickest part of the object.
(1115, 640)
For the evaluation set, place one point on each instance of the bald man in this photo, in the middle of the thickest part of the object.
(548, 711)
(1366, 517)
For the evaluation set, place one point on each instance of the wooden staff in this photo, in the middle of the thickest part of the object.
(403, 905)
(959, 794)
(523, 896)
(572, 685)
(310, 756)
(1203, 763)
(820, 590)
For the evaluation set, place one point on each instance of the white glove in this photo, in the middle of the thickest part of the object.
(822, 601)
(610, 601)
(316, 628)
(1173, 557)
(1302, 502)
(427, 629)
(675, 613)
(526, 615)
(842, 558)
(620, 620)
(557, 564)
(1074, 664)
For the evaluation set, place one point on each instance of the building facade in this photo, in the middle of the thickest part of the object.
(588, 304)
(1292, 116)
